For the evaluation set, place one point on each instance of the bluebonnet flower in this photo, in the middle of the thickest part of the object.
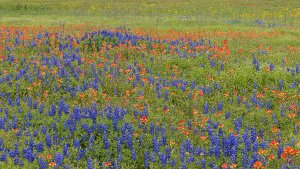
(216, 146)
(183, 166)
(17, 100)
(41, 108)
(83, 138)
(197, 151)
(159, 94)
(120, 157)
(48, 141)
(257, 67)
(253, 135)
(66, 108)
(173, 163)
(91, 140)
(238, 124)
(155, 145)
(296, 129)
(6, 111)
(220, 106)
(255, 146)
(254, 60)
(284, 166)
(58, 159)
(115, 122)
(206, 108)
(90, 163)
(280, 85)
(52, 112)
(227, 115)
(28, 154)
(222, 66)
(1, 145)
(141, 140)
(239, 99)
(293, 72)
(35, 133)
(35, 104)
(29, 102)
(166, 95)
(146, 162)
(191, 159)
(193, 84)
(163, 159)
(14, 153)
(133, 155)
(105, 142)
(42, 164)
(80, 154)
(66, 152)
(182, 152)
(244, 158)
(2, 123)
(279, 151)
(212, 165)
(3, 157)
(297, 68)
(44, 129)
(189, 124)
(233, 156)
(271, 66)
(246, 140)
(40, 147)
(76, 143)
(16, 160)
(168, 153)
(212, 63)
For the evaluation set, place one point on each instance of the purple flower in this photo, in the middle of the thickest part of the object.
(90, 163)
(28, 154)
(40, 147)
(48, 141)
(244, 158)
(163, 159)
(3, 157)
(271, 66)
(66, 152)
(220, 106)
(146, 162)
(58, 159)
(279, 151)
(206, 108)
(80, 154)
(280, 84)
(76, 143)
(155, 145)
(42, 163)
(227, 115)
(166, 95)
(106, 142)
(133, 155)
(41, 109)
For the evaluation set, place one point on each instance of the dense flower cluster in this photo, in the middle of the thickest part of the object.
(114, 99)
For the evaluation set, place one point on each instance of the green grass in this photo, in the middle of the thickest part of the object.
(178, 14)
(235, 18)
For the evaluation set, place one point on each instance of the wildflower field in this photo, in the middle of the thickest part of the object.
(149, 84)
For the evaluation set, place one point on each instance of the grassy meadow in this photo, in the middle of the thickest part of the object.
(149, 84)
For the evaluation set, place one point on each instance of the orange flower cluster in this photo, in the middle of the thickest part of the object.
(144, 119)
(52, 164)
(289, 152)
(258, 165)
